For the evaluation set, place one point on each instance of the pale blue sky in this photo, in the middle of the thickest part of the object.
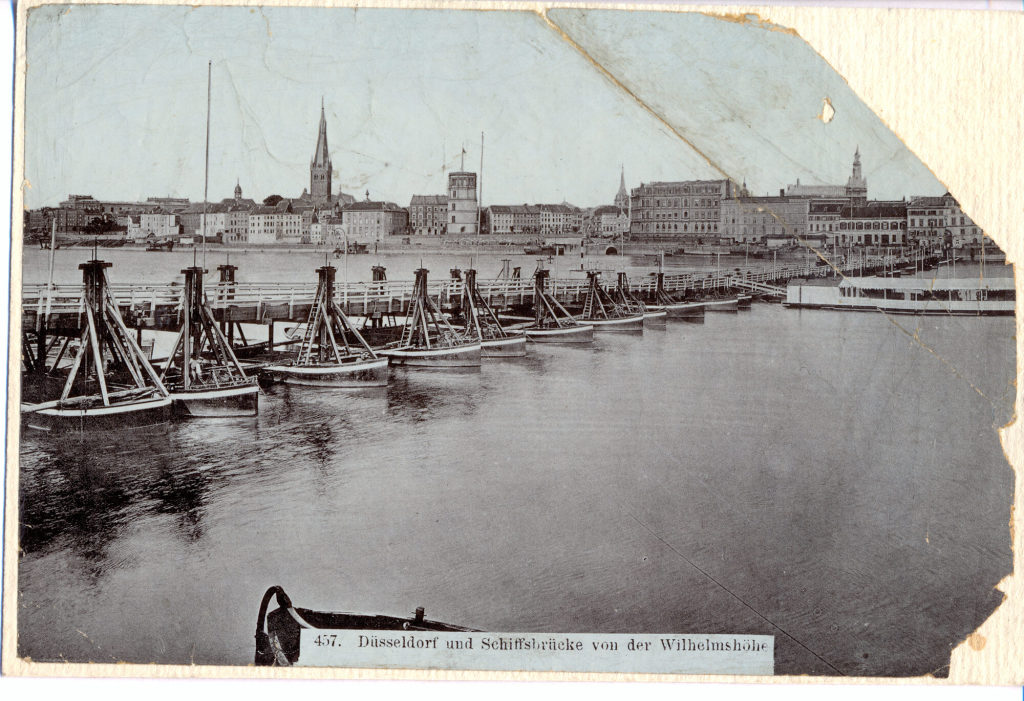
(115, 104)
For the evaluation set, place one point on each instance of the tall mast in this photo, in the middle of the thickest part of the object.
(206, 168)
(49, 276)
(480, 182)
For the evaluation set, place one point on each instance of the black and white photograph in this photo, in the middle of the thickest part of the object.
(564, 340)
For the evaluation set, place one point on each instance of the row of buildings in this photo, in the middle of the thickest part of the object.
(688, 212)
(699, 212)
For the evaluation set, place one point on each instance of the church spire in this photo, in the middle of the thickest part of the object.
(622, 197)
(322, 157)
(320, 168)
(857, 185)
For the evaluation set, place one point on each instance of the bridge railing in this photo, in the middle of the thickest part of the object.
(395, 294)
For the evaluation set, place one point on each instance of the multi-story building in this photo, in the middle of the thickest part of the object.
(75, 213)
(611, 220)
(329, 230)
(278, 224)
(159, 225)
(557, 218)
(236, 224)
(462, 204)
(499, 217)
(660, 210)
(372, 221)
(935, 222)
(764, 219)
(871, 224)
(167, 203)
(428, 214)
(191, 219)
(823, 216)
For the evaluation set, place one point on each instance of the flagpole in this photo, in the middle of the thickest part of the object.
(480, 181)
(206, 169)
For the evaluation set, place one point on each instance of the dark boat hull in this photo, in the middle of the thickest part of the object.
(217, 403)
(656, 317)
(508, 347)
(579, 333)
(368, 373)
(626, 324)
(685, 310)
(117, 417)
(722, 305)
(466, 356)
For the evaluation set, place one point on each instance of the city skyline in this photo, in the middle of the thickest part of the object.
(553, 122)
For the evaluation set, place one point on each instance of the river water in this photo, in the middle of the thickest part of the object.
(833, 479)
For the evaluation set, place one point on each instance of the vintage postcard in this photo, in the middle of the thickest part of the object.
(482, 340)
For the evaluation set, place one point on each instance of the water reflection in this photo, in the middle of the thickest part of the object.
(822, 467)
(419, 396)
(80, 491)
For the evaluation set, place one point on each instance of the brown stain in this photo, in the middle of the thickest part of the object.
(976, 641)
(543, 14)
(753, 19)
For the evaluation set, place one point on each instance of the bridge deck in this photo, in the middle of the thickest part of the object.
(157, 305)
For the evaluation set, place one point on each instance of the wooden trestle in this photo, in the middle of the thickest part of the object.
(329, 336)
(202, 358)
(598, 305)
(426, 327)
(548, 311)
(480, 317)
(110, 384)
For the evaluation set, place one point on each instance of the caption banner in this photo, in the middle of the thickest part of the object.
(540, 652)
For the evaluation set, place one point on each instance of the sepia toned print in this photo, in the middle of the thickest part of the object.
(504, 336)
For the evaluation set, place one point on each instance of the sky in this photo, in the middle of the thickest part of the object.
(116, 104)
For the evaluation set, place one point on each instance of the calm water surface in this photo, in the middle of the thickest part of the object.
(823, 477)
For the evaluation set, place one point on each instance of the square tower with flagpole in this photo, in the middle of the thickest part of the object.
(462, 201)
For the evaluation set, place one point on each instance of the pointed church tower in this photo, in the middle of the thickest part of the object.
(622, 197)
(857, 186)
(238, 191)
(320, 168)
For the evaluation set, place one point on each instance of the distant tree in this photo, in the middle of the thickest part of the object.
(99, 226)
(272, 200)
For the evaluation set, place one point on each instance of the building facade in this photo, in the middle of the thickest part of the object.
(159, 225)
(327, 230)
(611, 220)
(871, 224)
(823, 216)
(373, 221)
(764, 219)
(667, 210)
(558, 219)
(934, 222)
(269, 225)
(462, 203)
(428, 214)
